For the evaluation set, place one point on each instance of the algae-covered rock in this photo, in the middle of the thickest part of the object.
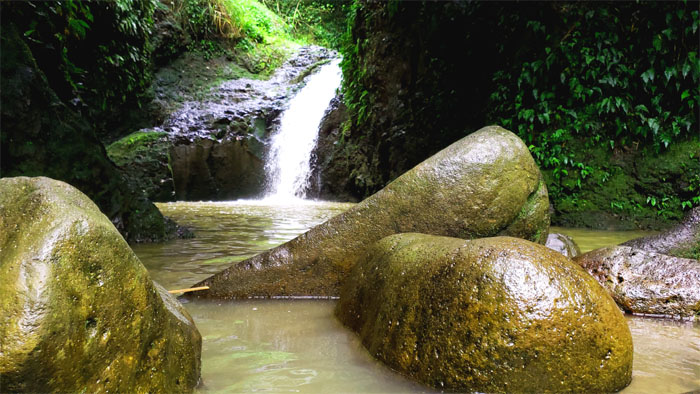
(144, 158)
(682, 240)
(563, 244)
(490, 315)
(646, 282)
(78, 311)
(483, 185)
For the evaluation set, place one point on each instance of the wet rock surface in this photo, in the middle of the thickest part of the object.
(217, 144)
(489, 315)
(683, 240)
(563, 244)
(79, 312)
(329, 176)
(646, 282)
(483, 185)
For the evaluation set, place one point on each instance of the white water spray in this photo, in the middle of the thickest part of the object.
(288, 166)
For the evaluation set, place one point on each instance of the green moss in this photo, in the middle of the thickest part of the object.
(634, 189)
(93, 319)
(134, 144)
(489, 315)
(145, 158)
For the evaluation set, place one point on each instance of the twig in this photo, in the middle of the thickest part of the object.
(188, 290)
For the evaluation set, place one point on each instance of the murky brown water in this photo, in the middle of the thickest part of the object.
(298, 346)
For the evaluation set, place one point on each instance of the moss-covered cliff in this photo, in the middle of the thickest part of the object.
(42, 136)
(605, 95)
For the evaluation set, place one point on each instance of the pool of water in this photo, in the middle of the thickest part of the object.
(298, 346)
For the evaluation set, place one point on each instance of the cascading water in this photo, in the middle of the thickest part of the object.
(288, 166)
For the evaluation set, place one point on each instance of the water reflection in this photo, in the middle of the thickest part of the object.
(298, 346)
(226, 232)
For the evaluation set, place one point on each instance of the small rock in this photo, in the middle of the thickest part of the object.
(563, 244)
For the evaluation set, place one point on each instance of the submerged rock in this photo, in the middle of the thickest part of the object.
(683, 240)
(79, 313)
(482, 185)
(646, 282)
(563, 244)
(489, 315)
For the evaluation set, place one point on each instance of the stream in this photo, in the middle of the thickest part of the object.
(299, 346)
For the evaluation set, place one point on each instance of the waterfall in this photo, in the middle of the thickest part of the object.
(288, 165)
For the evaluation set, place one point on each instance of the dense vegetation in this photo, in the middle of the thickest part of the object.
(605, 94)
(95, 55)
(77, 74)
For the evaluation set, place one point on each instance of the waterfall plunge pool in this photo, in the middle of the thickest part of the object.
(299, 346)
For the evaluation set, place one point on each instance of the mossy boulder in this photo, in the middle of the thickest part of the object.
(682, 240)
(645, 282)
(563, 244)
(78, 311)
(490, 315)
(483, 185)
(144, 158)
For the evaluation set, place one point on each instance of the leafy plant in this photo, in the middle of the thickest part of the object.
(615, 76)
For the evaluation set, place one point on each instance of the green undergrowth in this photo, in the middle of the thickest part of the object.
(602, 84)
(322, 22)
(605, 95)
(245, 31)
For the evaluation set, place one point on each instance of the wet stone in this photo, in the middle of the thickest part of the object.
(682, 240)
(78, 311)
(200, 130)
(645, 282)
(563, 244)
(483, 185)
(489, 315)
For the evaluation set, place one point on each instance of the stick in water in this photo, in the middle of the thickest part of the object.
(188, 290)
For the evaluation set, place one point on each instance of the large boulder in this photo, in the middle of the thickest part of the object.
(490, 315)
(78, 311)
(682, 240)
(646, 282)
(563, 244)
(483, 185)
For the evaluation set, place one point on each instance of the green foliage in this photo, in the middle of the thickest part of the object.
(96, 55)
(230, 19)
(354, 44)
(321, 22)
(231, 28)
(620, 76)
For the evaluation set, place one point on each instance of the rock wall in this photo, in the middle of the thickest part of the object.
(42, 136)
(213, 145)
